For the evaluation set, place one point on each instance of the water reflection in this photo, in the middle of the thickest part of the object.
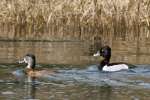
(46, 52)
(72, 82)
(30, 87)
(106, 92)
(78, 52)
(29, 83)
(76, 83)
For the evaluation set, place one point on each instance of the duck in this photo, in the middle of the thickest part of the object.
(30, 70)
(105, 64)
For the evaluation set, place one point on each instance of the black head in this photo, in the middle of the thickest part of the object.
(105, 52)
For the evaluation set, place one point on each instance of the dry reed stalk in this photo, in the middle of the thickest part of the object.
(73, 19)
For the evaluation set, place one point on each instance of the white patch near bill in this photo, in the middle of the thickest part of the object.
(96, 54)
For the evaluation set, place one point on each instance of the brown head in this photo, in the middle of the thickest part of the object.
(30, 60)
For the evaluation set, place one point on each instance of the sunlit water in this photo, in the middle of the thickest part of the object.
(77, 76)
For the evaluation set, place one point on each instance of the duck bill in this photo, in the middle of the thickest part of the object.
(96, 54)
(21, 61)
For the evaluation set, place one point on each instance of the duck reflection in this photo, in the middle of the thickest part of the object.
(30, 87)
(29, 83)
(105, 92)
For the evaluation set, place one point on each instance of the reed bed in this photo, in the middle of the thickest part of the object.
(74, 19)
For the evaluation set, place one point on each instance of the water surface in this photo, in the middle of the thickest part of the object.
(77, 77)
(72, 83)
(73, 52)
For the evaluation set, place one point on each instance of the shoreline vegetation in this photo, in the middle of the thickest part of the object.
(127, 20)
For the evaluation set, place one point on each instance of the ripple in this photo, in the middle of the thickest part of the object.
(8, 93)
(91, 75)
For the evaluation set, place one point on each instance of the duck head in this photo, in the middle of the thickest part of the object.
(30, 60)
(105, 52)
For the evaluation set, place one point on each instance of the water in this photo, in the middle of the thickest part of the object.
(72, 83)
(46, 52)
(77, 76)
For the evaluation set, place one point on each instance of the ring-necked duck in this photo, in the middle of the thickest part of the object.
(30, 70)
(105, 52)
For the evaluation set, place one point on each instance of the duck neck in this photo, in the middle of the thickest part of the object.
(29, 69)
(30, 66)
(104, 62)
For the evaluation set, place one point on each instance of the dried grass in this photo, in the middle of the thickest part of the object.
(73, 19)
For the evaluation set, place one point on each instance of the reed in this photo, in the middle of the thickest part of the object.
(74, 19)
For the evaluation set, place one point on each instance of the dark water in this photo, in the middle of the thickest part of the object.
(77, 76)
